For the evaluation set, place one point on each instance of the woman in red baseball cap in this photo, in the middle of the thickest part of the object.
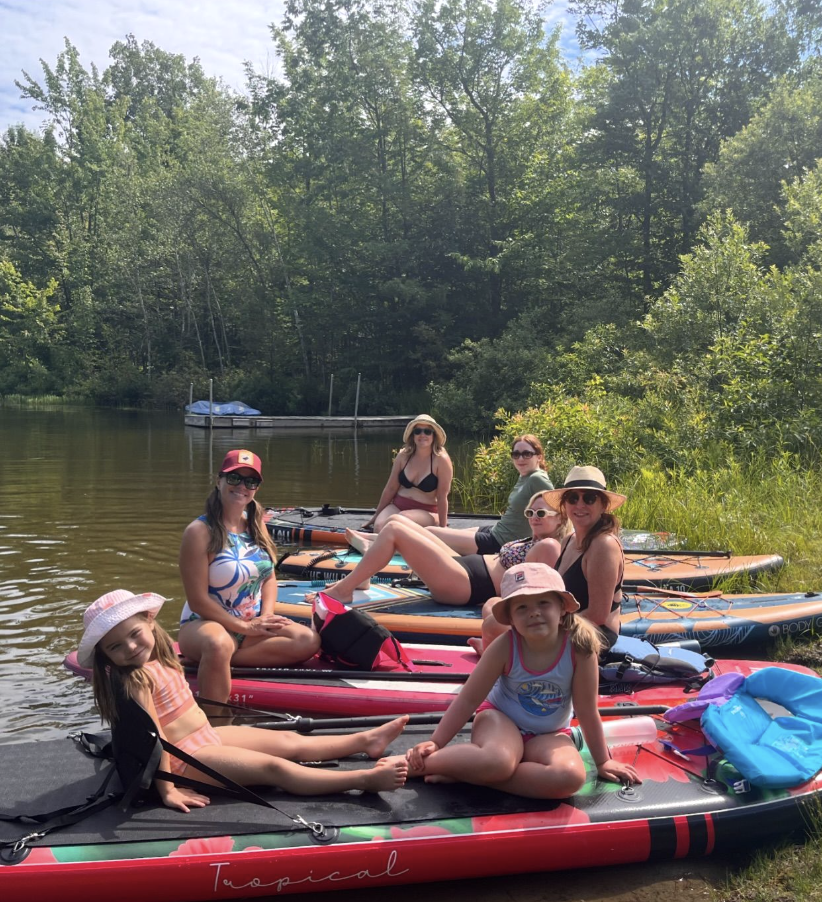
(227, 566)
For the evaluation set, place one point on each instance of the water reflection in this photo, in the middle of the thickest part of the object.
(92, 500)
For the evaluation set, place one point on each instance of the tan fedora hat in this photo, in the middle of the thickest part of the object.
(584, 478)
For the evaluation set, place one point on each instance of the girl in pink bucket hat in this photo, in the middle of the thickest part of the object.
(524, 689)
(130, 653)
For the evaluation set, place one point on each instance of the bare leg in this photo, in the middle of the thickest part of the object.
(211, 644)
(462, 541)
(253, 768)
(292, 645)
(299, 747)
(491, 627)
(432, 561)
(492, 756)
(551, 769)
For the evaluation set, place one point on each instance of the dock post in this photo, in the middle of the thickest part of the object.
(190, 394)
(357, 400)
(210, 403)
(330, 394)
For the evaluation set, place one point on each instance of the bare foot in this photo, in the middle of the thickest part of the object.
(364, 586)
(378, 739)
(477, 645)
(359, 541)
(335, 591)
(388, 773)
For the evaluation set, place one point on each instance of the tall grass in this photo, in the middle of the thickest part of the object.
(762, 507)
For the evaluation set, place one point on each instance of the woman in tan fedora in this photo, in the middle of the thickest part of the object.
(420, 478)
(591, 561)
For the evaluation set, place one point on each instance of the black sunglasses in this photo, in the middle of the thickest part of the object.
(250, 482)
(422, 430)
(526, 454)
(588, 498)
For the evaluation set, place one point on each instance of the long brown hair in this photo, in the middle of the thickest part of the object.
(535, 443)
(254, 524)
(108, 678)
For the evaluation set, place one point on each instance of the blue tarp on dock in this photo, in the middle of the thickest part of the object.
(222, 409)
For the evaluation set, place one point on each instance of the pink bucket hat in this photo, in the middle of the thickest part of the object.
(531, 579)
(107, 612)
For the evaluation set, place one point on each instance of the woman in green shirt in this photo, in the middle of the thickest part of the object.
(528, 458)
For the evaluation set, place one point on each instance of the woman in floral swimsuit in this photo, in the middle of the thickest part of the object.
(227, 567)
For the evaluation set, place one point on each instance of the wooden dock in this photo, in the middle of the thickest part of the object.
(305, 423)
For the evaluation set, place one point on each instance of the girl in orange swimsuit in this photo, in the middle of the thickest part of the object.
(122, 642)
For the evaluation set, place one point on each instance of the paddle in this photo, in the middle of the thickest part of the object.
(645, 555)
(672, 593)
(270, 674)
(308, 724)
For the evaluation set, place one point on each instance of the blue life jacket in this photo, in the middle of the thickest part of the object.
(778, 752)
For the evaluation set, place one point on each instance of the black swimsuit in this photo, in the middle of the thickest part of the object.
(428, 484)
(577, 584)
(482, 586)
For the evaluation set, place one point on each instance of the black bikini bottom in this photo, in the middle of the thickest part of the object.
(482, 586)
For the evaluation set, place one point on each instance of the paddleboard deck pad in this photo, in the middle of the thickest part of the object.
(326, 525)
(727, 621)
(230, 850)
(687, 571)
(317, 688)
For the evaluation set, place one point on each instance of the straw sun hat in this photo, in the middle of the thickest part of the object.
(108, 611)
(425, 420)
(584, 478)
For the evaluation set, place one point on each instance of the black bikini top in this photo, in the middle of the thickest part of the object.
(577, 584)
(428, 484)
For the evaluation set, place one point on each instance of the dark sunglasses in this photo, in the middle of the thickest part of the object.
(250, 482)
(526, 454)
(540, 514)
(588, 498)
(422, 430)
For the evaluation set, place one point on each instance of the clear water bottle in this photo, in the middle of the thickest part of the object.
(622, 731)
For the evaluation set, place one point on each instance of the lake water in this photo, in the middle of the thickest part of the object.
(93, 500)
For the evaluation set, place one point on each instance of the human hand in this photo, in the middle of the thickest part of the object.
(273, 623)
(368, 526)
(618, 772)
(416, 756)
(181, 797)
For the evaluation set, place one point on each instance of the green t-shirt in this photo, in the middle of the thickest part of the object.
(512, 524)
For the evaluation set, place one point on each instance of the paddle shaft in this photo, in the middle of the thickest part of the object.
(308, 724)
(292, 673)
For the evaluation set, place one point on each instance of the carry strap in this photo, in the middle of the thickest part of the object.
(15, 851)
(98, 745)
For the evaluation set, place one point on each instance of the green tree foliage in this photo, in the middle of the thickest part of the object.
(427, 194)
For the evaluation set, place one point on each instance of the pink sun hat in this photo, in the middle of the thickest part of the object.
(108, 611)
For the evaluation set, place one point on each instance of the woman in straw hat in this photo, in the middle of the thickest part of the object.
(591, 561)
(420, 478)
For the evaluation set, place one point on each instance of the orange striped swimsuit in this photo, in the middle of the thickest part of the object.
(172, 698)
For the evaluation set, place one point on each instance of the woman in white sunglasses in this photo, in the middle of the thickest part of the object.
(468, 579)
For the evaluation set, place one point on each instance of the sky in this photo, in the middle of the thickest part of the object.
(224, 34)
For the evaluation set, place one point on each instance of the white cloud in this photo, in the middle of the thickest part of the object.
(224, 34)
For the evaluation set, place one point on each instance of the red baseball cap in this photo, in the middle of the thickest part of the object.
(242, 460)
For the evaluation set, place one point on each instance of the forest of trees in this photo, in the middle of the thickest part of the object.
(431, 195)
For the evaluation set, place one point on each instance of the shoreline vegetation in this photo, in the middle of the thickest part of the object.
(622, 256)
